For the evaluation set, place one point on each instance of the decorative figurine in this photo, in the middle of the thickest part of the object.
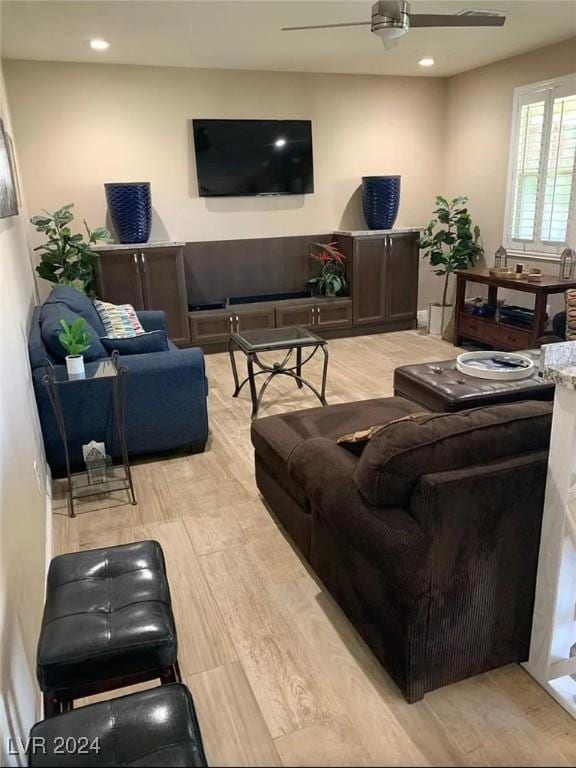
(95, 460)
(567, 264)
(501, 258)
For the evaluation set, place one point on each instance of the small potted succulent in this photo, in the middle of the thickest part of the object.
(332, 278)
(75, 339)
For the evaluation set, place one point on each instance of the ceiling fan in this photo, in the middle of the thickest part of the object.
(391, 19)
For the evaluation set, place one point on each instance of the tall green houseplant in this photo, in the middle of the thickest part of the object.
(67, 258)
(450, 242)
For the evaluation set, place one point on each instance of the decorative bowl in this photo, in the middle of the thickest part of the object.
(483, 365)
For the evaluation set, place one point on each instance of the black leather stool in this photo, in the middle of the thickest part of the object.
(157, 727)
(107, 623)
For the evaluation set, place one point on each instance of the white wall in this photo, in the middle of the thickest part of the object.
(129, 123)
(23, 501)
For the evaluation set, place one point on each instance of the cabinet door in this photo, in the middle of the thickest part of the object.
(118, 278)
(164, 288)
(402, 277)
(295, 314)
(336, 313)
(211, 326)
(369, 280)
(253, 319)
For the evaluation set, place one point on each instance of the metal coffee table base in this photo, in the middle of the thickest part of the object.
(276, 369)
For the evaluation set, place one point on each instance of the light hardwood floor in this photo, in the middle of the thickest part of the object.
(278, 674)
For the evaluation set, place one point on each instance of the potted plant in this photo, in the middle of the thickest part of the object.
(67, 258)
(75, 339)
(332, 278)
(449, 242)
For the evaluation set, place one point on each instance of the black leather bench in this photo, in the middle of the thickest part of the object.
(107, 623)
(157, 727)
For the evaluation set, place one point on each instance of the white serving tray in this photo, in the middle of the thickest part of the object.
(506, 374)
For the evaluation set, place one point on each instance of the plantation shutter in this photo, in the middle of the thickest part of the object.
(542, 198)
(559, 179)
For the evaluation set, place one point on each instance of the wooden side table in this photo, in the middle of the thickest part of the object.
(490, 330)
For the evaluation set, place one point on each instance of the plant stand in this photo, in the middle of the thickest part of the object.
(56, 381)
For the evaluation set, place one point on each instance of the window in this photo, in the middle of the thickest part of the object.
(541, 203)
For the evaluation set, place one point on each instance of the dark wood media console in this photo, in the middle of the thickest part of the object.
(382, 273)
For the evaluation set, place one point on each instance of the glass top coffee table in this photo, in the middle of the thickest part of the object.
(287, 340)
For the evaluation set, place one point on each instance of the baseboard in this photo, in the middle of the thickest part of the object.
(48, 527)
(387, 326)
(422, 318)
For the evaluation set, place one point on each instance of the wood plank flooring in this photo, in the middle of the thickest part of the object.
(278, 674)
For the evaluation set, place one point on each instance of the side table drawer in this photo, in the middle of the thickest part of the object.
(475, 328)
(515, 338)
(498, 335)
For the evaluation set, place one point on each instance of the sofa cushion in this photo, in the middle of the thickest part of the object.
(152, 341)
(78, 303)
(275, 437)
(393, 462)
(50, 316)
(37, 350)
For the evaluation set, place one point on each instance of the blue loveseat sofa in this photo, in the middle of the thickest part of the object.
(165, 391)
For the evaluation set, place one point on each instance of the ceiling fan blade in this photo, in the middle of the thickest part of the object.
(329, 26)
(457, 20)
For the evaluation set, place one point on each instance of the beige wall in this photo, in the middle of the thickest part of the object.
(80, 125)
(123, 123)
(478, 134)
(23, 502)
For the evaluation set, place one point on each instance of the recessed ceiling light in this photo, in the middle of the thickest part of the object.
(99, 45)
(427, 62)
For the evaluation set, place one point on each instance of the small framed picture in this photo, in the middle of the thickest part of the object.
(8, 183)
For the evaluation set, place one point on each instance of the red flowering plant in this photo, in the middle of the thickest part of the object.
(332, 278)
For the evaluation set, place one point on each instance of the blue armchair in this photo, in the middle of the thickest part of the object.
(165, 395)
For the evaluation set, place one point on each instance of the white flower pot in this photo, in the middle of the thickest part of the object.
(75, 366)
(438, 318)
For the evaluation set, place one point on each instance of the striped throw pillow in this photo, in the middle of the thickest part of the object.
(571, 315)
(120, 321)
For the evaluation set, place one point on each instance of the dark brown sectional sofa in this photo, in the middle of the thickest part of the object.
(429, 538)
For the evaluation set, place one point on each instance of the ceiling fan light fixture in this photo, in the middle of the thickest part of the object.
(390, 19)
(388, 33)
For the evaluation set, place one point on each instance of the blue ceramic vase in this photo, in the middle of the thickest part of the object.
(380, 200)
(130, 208)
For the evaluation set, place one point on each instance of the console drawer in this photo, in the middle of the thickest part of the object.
(335, 313)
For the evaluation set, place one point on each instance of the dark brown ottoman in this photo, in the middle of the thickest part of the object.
(440, 387)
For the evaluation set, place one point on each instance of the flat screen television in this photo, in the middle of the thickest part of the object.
(253, 157)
